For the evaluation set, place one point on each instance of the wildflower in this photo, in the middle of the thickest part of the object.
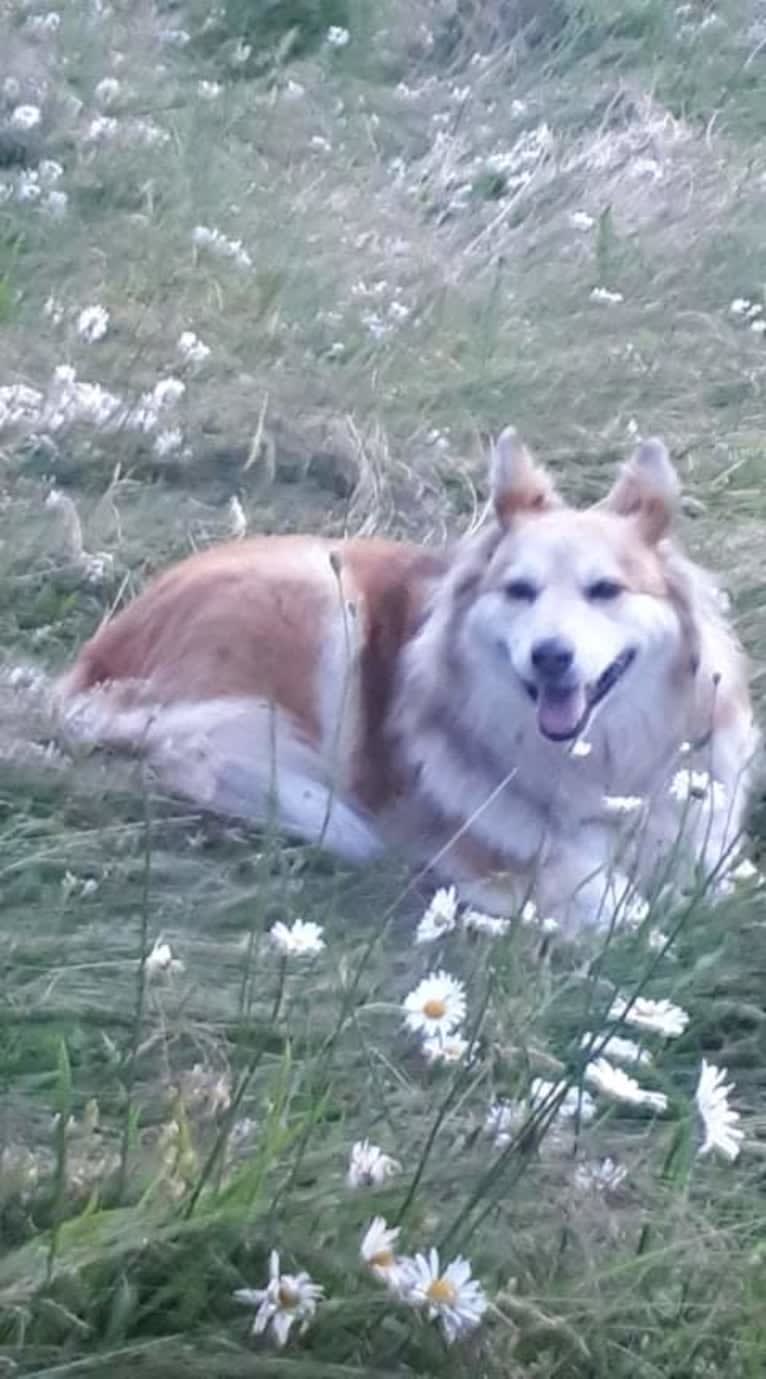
(377, 1250)
(338, 37)
(746, 871)
(209, 90)
(101, 128)
(286, 1299)
(657, 939)
(28, 186)
(581, 748)
(210, 1092)
(501, 1120)
(168, 441)
(50, 172)
(615, 1083)
(25, 117)
(697, 785)
(580, 220)
(237, 518)
(241, 53)
(603, 1175)
(451, 1296)
(622, 804)
(478, 923)
(436, 1006)
(301, 939)
(369, 1166)
(445, 1048)
(191, 348)
(440, 917)
(55, 203)
(718, 1118)
(755, 309)
(92, 323)
(167, 392)
(602, 294)
(19, 403)
(107, 91)
(219, 245)
(161, 960)
(174, 38)
(661, 1017)
(623, 1050)
(758, 327)
(576, 1102)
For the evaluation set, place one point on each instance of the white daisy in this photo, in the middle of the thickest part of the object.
(378, 1251)
(92, 323)
(166, 442)
(581, 748)
(286, 1299)
(446, 1048)
(450, 1296)
(603, 1175)
(622, 804)
(501, 1121)
(301, 939)
(580, 220)
(476, 922)
(623, 1050)
(161, 960)
(689, 785)
(337, 37)
(209, 90)
(657, 939)
(107, 91)
(191, 348)
(718, 1118)
(740, 306)
(440, 917)
(661, 1017)
(745, 871)
(603, 294)
(574, 1102)
(615, 1083)
(25, 117)
(369, 1166)
(436, 1006)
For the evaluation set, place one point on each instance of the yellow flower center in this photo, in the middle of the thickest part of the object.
(288, 1297)
(435, 1009)
(442, 1292)
(382, 1260)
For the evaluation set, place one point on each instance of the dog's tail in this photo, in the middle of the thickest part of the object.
(236, 757)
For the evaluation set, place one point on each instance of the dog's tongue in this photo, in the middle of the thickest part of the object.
(560, 712)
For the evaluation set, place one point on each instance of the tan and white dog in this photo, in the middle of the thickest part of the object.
(481, 707)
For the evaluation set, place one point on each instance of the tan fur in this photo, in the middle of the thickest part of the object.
(378, 692)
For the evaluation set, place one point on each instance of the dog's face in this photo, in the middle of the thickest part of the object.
(574, 607)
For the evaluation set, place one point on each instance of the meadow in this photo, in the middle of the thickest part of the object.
(278, 266)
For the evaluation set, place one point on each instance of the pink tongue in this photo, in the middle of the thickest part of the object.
(559, 714)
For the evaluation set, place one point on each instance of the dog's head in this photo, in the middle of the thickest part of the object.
(575, 605)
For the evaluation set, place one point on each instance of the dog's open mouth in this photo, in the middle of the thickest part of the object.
(563, 711)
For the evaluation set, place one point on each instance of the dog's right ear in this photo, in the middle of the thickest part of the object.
(517, 483)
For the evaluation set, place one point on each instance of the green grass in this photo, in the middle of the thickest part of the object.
(416, 281)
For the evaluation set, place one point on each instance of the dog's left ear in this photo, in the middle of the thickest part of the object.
(518, 484)
(648, 489)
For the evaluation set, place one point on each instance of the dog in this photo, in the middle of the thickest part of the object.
(555, 708)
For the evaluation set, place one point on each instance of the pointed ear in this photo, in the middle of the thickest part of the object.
(518, 485)
(648, 490)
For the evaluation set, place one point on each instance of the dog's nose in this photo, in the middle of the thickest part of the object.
(552, 658)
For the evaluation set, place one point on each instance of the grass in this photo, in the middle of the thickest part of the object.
(416, 280)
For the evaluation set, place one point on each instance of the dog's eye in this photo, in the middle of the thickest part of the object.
(602, 590)
(521, 589)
